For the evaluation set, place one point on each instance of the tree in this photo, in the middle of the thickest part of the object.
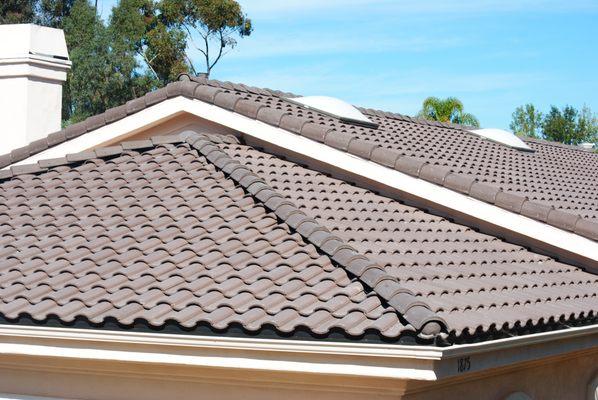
(43, 12)
(17, 11)
(449, 110)
(565, 126)
(139, 31)
(587, 125)
(144, 45)
(102, 77)
(86, 86)
(526, 121)
(217, 22)
(53, 12)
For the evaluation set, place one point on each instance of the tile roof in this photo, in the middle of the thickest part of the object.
(556, 184)
(204, 234)
(479, 284)
(175, 232)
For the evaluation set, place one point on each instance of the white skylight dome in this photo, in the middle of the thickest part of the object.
(333, 107)
(501, 136)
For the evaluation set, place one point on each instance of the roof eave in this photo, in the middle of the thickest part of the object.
(350, 360)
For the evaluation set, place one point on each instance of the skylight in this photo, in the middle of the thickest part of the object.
(501, 136)
(335, 108)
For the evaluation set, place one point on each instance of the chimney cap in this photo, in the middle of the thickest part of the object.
(29, 39)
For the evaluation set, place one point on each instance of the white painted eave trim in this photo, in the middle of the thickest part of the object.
(320, 152)
(426, 363)
(338, 359)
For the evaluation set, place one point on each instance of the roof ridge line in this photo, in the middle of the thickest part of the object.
(556, 144)
(277, 93)
(416, 167)
(215, 92)
(415, 120)
(415, 311)
(235, 86)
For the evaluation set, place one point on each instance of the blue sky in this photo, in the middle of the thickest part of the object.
(391, 54)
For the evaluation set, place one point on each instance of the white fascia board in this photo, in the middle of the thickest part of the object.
(460, 203)
(417, 187)
(401, 362)
(10, 396)
(328, 358)
(143, 119)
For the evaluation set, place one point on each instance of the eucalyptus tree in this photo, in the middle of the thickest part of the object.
(212, 26)
(144, 45)
(17, 11)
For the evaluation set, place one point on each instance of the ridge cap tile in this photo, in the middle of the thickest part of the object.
(329, 243)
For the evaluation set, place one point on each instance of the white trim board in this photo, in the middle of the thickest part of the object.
(423, 363)
(574, 248)
(9, 396)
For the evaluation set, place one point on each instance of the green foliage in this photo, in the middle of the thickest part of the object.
(104, 73)
(449, 110)
(158, 31)
(86, 86)
(165, 52)
(43, 12)
(217, 22)
(587, 123)
(143, 46)
(526, 121)
(17, 11)
(139, 30)
(53, 12)
(560, 126)
(566, 125)
(569, 126)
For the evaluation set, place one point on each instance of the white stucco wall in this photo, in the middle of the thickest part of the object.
(33, 67)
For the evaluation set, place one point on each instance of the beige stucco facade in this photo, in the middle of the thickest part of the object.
(566, 377)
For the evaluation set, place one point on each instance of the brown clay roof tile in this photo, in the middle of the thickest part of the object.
(238, 265)
(184, 221)
(451, 268)
(553, 175)
(236, 237)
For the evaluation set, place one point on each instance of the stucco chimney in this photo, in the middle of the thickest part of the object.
(33, 64)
